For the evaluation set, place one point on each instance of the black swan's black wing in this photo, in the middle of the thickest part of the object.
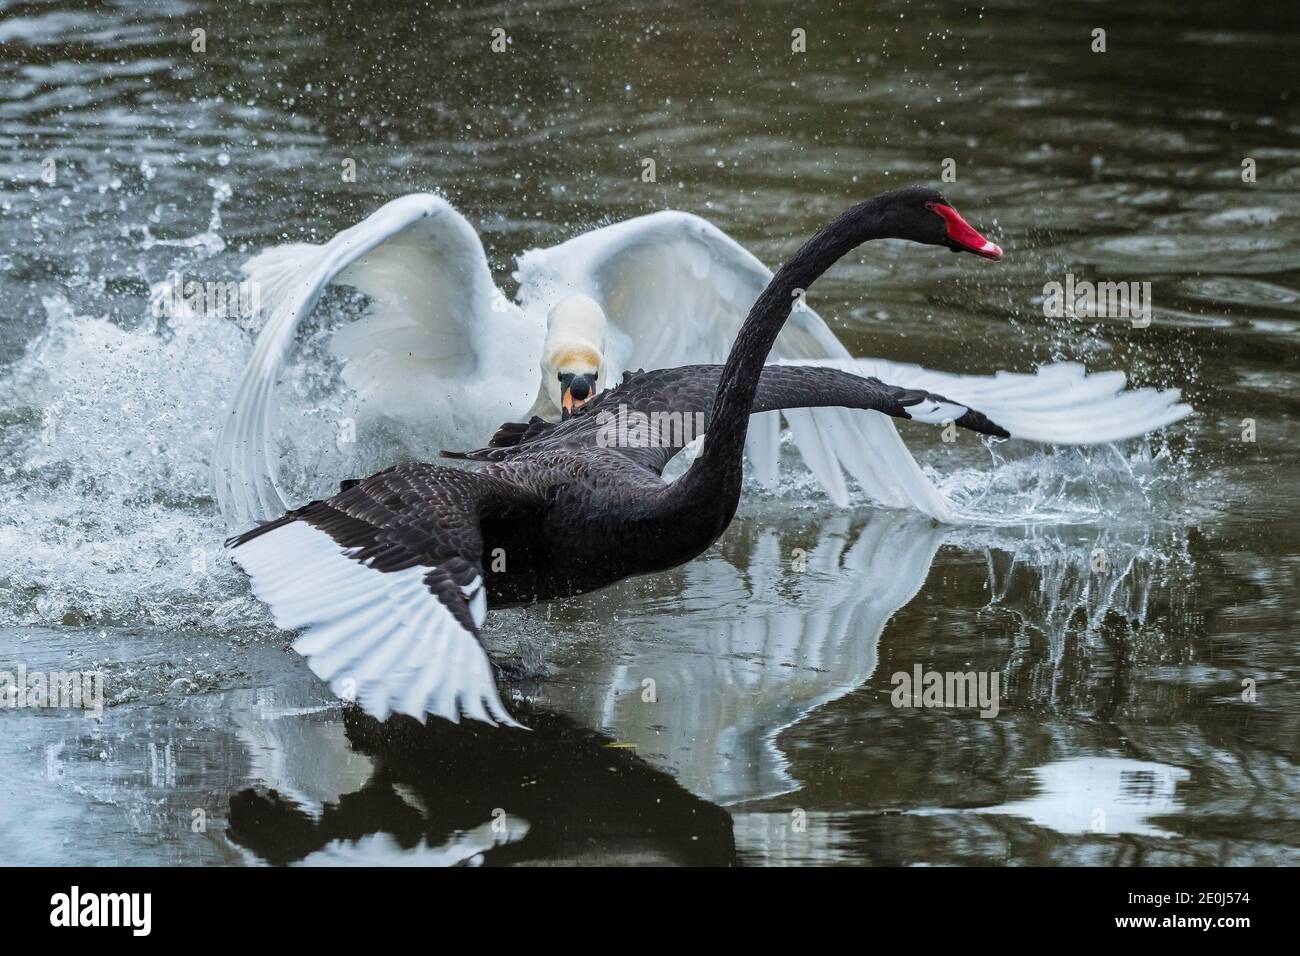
(385, 580)
(651, 416)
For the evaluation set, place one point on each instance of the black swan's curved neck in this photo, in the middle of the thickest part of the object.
(716, 473)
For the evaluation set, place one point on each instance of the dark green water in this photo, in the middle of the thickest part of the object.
(1123, 734)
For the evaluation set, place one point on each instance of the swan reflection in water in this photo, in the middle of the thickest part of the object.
(1099, 795)
(636, 744)
(445, 794)
(800, 626)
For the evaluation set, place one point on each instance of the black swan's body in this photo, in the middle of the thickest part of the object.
(640, 524)
(390, 578)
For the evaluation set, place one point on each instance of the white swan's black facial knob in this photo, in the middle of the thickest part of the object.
(580, 387)
(576, 389)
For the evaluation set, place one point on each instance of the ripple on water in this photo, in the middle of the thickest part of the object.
(1236, 290)
(1152, 253)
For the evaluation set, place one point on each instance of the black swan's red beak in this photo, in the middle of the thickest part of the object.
(962, 235)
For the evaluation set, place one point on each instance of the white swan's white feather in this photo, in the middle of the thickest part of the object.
(817, 443)
(382, 637)
(434, 328)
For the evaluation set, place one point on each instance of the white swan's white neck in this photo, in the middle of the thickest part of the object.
(576, 330)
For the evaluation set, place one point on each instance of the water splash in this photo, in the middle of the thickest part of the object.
(104, 497)
(209, 242)
(1033, 484)
(1061, 583)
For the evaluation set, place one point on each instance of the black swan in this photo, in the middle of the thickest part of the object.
(390, 579)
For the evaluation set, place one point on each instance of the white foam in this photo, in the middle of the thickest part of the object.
(106, 514)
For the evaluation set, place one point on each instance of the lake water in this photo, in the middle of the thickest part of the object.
(1148, 713)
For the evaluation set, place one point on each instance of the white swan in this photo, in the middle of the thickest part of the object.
(445, 355)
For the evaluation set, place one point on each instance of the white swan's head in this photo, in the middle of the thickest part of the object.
(574, 351)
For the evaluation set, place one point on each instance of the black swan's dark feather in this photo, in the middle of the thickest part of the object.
(666, 397)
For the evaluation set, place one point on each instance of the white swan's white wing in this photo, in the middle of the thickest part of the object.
(673, 286)
(431, 292)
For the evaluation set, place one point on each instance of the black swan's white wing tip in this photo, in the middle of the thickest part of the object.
(400, 641)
